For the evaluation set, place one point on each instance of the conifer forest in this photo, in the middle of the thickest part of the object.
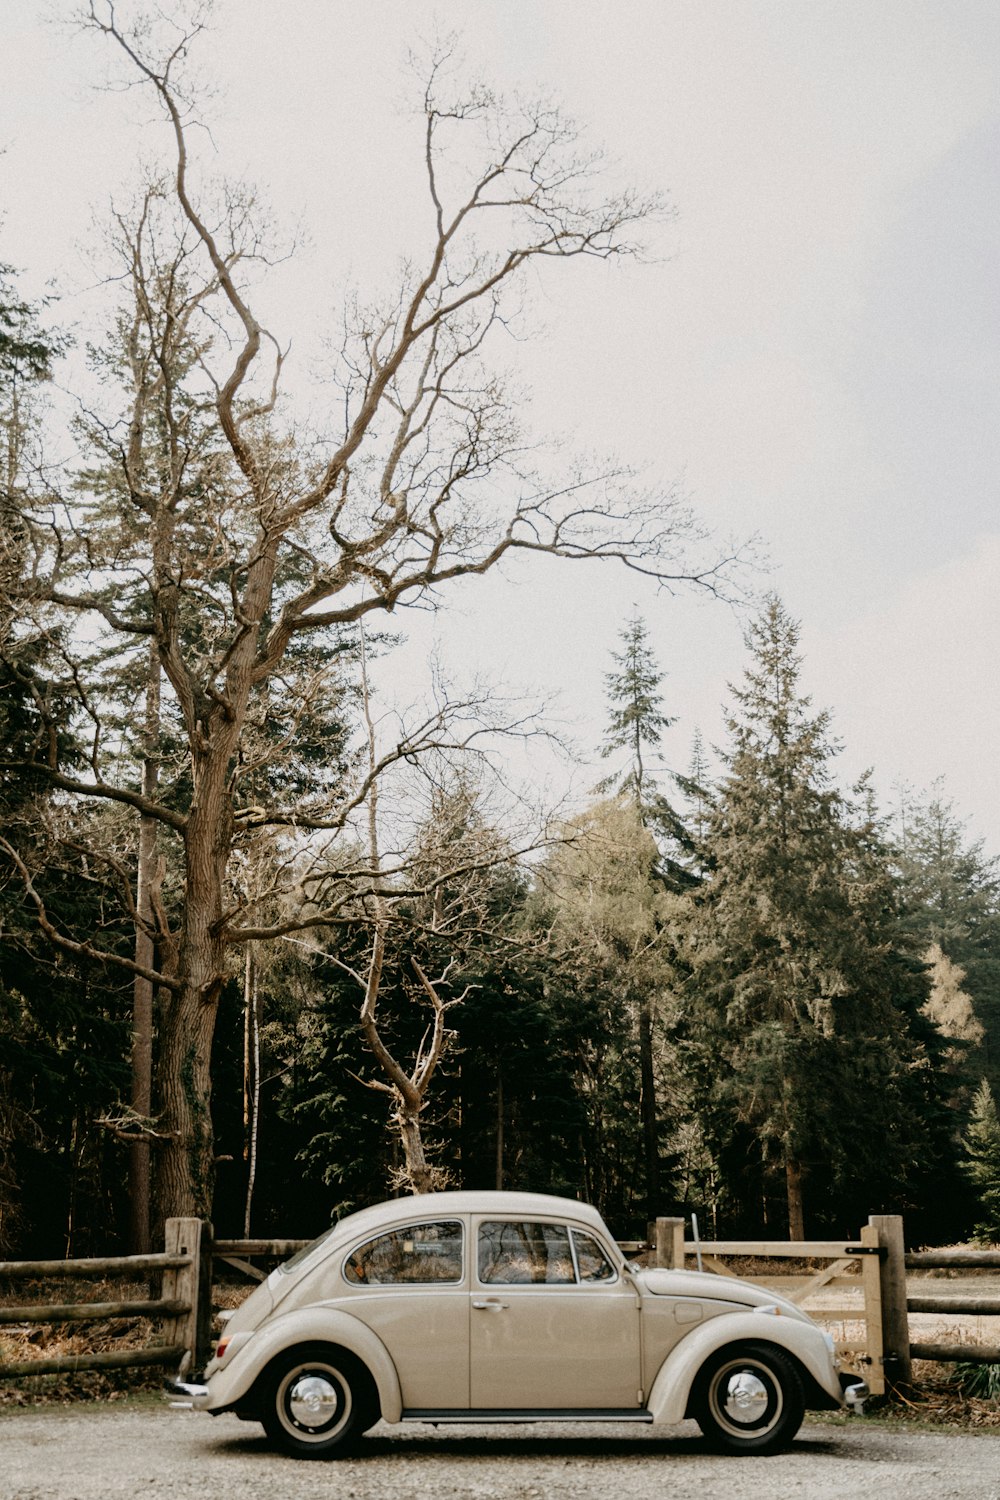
(269, 952)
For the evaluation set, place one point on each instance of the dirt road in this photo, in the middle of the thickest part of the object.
(107, 1453)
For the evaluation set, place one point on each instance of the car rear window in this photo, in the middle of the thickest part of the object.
(419, 1253)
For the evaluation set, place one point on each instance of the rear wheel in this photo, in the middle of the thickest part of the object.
(317, 1401)
(748, 1399)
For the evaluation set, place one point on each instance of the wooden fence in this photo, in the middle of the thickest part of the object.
(875, 1266)
(183, 1307)
(859, 1268)
(869, 1275)
(952, 1260)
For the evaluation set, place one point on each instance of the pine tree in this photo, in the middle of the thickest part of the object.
(636, 724)
(613, 924)
(696, 786)
(982, 1164)
(635, 728)
(951, 898)
(803, 1007)
(636, 720)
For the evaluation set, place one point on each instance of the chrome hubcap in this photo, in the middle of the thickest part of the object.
(746, 1398)
(313, 1401)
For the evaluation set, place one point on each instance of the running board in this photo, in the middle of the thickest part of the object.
(557, 1414)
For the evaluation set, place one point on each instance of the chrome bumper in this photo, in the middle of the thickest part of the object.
(855, 1395)
(188, 1391)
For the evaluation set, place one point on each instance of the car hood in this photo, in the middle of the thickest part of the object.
(713, 1288)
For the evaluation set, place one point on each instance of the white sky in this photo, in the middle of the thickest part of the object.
(814, 350)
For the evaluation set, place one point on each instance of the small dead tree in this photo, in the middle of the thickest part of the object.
(407, 1090)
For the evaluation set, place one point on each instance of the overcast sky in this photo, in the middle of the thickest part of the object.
(812, 348)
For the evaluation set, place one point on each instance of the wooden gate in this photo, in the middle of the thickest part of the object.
(853, 1270)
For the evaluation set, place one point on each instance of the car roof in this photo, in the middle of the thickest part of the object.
(423, 1206)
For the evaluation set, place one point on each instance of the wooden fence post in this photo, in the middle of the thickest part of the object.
(892, 1279)
(871, 1286)
(191, 1284)
(666, 1236)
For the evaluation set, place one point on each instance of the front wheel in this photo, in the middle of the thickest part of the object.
(749, 1399)
(317, 1401)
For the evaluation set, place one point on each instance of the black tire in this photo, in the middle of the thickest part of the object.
(317, 1401)
(748, 1399)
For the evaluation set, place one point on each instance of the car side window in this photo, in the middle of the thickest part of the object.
(420, 1253)
(591, 1260)
(518, 1252)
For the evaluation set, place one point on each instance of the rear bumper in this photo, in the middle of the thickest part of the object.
(855, 1393)
(186, 1393)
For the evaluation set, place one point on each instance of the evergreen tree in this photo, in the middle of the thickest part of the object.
(950, 891)
(804, 1011)
(28, 352)
(635, 728)
(636, 723)
(982, 1164)
(63, 1025)
(697, 789)
(613, 923)
(636, 719)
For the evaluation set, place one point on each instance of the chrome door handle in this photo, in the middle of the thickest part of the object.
(491, 1306)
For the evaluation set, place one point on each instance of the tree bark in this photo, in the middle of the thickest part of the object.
(647, 1106)
(421, 1177)
(793, 1186)
(251, 1078)
(142, 1051)
(142, 992)
(186, 1169)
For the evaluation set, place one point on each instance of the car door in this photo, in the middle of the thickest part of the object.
(410, 1285)
(553, 1325)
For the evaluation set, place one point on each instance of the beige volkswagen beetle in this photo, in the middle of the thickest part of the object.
(509, 1307)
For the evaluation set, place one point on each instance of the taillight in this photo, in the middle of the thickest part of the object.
(220, 1348)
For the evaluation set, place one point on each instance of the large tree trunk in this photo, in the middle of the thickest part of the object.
(139, 1187)
(186, 1168)
(793, 1186)
(251, 1078)
(142, 1049)
(647, 1107)
(421, 1176)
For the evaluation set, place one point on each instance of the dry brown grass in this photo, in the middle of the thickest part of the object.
(28, 1340)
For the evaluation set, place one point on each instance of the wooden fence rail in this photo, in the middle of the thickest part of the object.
(182, 1308)
(856, 1266)
(887, 1351)
(951, 1260)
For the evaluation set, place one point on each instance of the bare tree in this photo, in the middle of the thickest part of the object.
(245, 554)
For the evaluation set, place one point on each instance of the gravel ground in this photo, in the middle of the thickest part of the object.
(88, 1453)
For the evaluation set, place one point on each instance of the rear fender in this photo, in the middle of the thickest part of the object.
(229, 1383)
(671, 1392)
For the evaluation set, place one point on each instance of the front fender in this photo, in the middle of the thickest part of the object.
(668, 1399)
(230, 1382)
